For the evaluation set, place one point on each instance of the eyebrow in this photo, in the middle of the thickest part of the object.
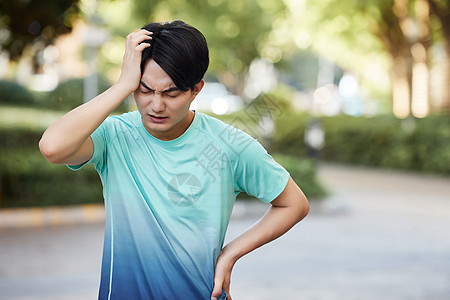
(171, 89)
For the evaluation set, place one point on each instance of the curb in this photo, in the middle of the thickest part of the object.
(51, 216)
(87, 214)
(95, 213)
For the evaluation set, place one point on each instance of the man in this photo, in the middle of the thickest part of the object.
(170, 175)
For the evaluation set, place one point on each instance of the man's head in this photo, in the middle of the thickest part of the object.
(172, 71)
(180, 50)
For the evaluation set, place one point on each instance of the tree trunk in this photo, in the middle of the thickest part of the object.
(420, 98)
(420, 84)
(401, 102)
(445, 101)
(441, 11)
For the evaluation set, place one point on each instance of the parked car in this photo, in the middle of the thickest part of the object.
(215, 98)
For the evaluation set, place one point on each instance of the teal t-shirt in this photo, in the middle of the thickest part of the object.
(168, 203)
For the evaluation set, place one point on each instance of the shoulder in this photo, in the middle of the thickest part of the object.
(210, 124)
(117, 124)
(127, 120)
(216, 128)
(232, 140)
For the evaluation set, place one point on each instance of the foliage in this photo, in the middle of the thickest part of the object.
(27, 179)
(14, 94)
(237, 31)
(289, 134)
(381, 42)
(34, 23)
(20, 117)
(66, 96)
(303, 172)
(383, 141)
(69, 94)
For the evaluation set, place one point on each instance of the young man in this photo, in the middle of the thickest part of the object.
(170, 175)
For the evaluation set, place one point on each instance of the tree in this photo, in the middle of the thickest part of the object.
(402, 27)
(441, 9)
(34, 22)
(236, 30)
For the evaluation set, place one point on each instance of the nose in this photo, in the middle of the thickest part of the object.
(157, 103)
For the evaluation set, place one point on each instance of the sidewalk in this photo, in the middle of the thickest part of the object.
(388, 192)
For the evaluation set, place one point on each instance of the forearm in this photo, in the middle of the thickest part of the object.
(276, 222)
(287, 209)
(67, 135)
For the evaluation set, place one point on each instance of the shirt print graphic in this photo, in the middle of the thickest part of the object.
(184, 189)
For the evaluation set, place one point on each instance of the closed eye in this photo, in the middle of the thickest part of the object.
(145, 89)
(173, 94)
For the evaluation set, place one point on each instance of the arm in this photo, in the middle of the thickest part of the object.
(67, 141)
(289, 208)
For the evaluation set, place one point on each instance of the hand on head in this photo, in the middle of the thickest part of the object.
(131, 66)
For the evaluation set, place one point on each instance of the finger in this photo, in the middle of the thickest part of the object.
(145, 31)
(226, 286)
(138, 43)
(142, 46)
(139, 33)
(217, 290)
(132, 34)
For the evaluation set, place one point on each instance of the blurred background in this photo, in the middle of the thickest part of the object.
(352, 97)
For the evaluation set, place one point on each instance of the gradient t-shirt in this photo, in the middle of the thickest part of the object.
(168, 203)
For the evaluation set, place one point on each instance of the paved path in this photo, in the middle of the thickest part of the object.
(381, 235)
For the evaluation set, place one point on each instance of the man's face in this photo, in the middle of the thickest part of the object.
(163, 107)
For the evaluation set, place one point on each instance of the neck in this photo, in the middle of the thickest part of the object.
(176, 131)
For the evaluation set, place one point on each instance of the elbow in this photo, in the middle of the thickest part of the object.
(49, 151)
(303, 207)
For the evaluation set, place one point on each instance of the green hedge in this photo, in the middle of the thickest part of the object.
(12, 93)
(303, 172)
(66, 96)
(382, 141)
(28, 179)
(69, 94)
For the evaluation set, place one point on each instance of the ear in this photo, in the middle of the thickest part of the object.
(197, 88)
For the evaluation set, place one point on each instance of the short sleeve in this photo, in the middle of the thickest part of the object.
(99, 139)
(258, 174)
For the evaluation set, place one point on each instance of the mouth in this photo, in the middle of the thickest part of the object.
(157, 119)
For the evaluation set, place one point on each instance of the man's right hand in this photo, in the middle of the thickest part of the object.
(67, 141)
(131, 66)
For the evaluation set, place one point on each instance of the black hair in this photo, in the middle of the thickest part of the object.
(180, 50)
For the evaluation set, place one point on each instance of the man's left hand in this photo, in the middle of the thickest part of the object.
(222, 275)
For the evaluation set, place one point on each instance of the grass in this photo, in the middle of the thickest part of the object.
(26, 117)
